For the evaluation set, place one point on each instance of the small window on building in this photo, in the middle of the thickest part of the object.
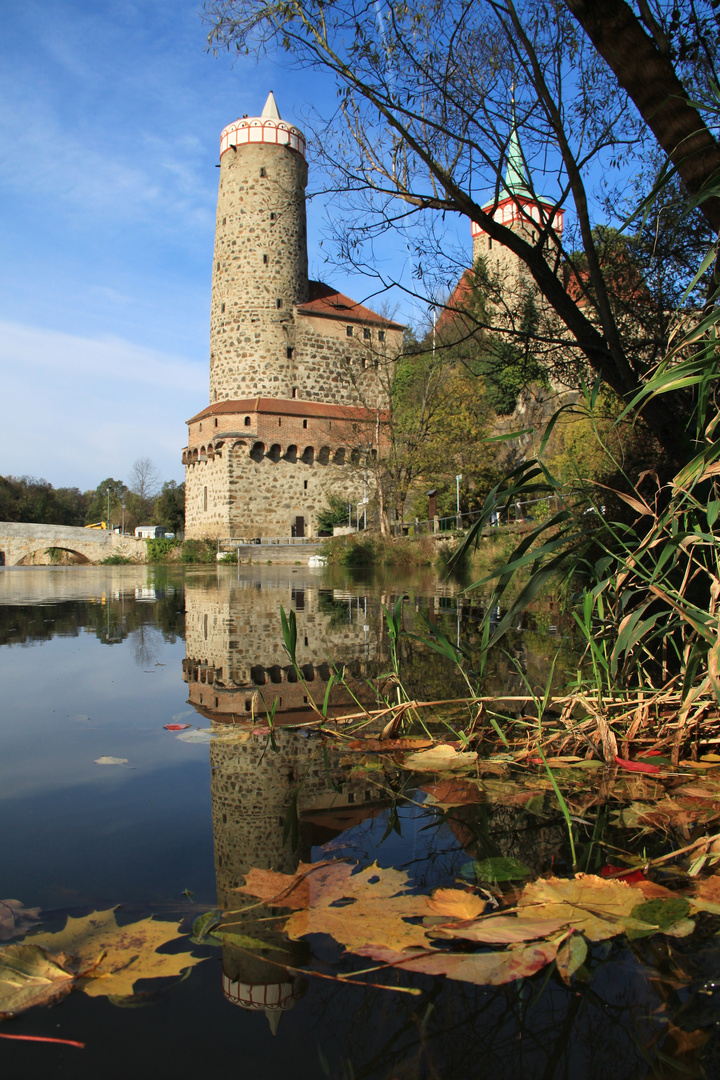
(217, 265)
(364, 362)
(366, 334)
(272, 217)
(290, 353)
(200, 426)
(204, 498)
(381, 335)
(278, 303)
(279, 421)
(222, 309)
(224, 220)
(304, 485)
(489, 243)
(294, 391)
(304, 423)
(348, 329)
(247, 421)
(216, 421)
(265, 259)
(262, 172)
(376, 363)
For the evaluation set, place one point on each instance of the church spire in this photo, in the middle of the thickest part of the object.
(517, 181)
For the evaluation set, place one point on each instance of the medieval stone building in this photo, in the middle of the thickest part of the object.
(298, 372)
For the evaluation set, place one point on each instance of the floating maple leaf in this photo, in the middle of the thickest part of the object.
(114, 957)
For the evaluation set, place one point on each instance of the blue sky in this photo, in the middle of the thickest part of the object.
(110, 119)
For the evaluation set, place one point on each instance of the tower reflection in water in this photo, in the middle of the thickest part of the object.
(271, 804)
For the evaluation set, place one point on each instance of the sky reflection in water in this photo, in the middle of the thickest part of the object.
(95, 662)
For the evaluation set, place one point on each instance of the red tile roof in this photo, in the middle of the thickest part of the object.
(288, 407)
(330, 304)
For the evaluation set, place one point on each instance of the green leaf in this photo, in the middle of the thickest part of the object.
(289, 631)
(662, 914)
(498, 869)
(243, 941)
(202, 928)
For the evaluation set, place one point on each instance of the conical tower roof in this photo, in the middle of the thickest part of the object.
(270, 110)
(517, 181)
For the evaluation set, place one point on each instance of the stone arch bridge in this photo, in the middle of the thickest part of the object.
(24, 544)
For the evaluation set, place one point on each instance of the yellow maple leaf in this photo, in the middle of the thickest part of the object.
(130, 951)
(598, 908)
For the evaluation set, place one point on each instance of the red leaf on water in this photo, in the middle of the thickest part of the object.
(636, 766)
(622, 872)
(43, 1038)
(176, 727)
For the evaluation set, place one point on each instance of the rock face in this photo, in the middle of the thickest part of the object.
(298, 372)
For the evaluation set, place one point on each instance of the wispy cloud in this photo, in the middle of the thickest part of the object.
(76, 410)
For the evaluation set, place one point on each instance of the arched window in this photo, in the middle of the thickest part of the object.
(247, 421)
(258, 451)
(355, 457)
(339, 458)
(274, 452)
(291, 453)
(308, 455)
(323, 455)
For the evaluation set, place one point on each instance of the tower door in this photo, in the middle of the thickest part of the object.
(299, 526)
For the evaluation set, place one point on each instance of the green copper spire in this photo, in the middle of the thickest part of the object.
(517, 182)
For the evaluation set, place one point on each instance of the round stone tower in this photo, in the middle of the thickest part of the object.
(260, 268)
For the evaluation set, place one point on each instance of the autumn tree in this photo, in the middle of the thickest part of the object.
(423, 125)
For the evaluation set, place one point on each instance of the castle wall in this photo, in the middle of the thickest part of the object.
(259, 271)
(236, 666)
(233, 495)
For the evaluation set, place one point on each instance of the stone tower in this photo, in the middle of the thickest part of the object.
(260, 268)
(299, 373)
(519, 208)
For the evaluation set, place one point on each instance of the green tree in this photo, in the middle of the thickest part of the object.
(169, 509)
(112, 491)
(423, 129)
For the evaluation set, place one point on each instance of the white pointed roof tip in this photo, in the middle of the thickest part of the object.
(273, 1015)
(270, 111)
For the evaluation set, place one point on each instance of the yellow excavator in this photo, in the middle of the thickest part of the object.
(97, 525)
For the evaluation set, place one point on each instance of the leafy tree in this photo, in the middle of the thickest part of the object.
(97, 509)
(424, 122)
(169, 507)
(26, 498)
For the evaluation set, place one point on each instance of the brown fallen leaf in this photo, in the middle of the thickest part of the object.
(706, 896)
(484, 969)
(457, 903)
(387, 745)
(29, 976)
(506, 929)
(441, 758)
(455, 792)
(355, 909)
(130, 951)
(596, 907)
(570, 956)
(16, 920)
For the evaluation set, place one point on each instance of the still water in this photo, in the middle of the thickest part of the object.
(94, 663)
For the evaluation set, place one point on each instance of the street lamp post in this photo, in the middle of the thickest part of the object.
(107, 492)
(458, 520)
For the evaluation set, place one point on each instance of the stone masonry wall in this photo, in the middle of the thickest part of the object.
(259, 271)
(233, 495)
